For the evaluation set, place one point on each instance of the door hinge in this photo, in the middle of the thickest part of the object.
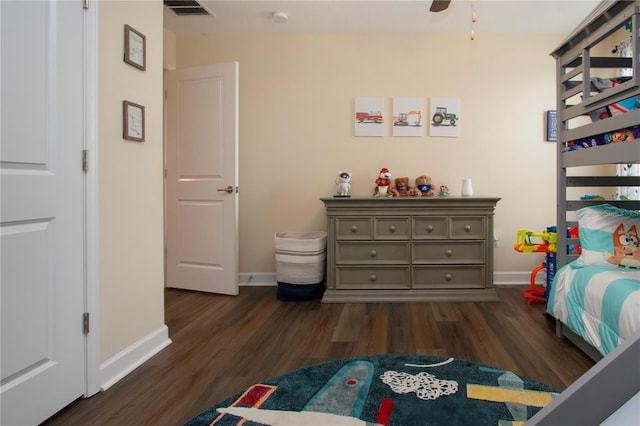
(85, 323)
(85, 4)
(85, 160)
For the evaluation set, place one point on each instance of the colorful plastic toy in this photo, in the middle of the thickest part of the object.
(524, 243)
(547, 245)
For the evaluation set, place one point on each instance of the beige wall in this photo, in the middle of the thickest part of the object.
(169, 50)
(296, 129)
(130, 181)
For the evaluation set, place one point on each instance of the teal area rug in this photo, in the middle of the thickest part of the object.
(385, 390)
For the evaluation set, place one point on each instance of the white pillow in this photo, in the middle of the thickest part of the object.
(609, 236)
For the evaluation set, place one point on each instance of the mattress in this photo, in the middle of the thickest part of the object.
(601, 304)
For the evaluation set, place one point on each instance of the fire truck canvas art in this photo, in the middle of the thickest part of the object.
(369, 117)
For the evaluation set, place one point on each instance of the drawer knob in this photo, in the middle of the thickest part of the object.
(448, 277)
(373, 253)
(354, 228)
(392, 228)
(448, 252)
(467, 228)
(430, 228)
(373, 278)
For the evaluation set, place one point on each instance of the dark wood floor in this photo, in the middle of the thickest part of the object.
(223, 344)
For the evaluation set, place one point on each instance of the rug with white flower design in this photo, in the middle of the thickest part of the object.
(385, 390)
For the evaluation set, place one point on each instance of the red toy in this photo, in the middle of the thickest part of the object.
(382, 183)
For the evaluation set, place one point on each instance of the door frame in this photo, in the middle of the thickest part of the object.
(91, 225)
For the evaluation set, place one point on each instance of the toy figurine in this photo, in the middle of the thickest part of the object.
(342, 180)
(382, 183)
(444, 191)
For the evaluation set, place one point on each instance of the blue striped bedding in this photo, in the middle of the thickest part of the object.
(601, 304)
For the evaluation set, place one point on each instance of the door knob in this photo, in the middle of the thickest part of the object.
(228, 189)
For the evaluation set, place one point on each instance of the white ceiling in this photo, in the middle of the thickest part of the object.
(378, 16)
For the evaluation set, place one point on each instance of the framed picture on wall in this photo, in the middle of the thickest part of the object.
(444, 117)
(135, 49)
(132, 121)
(551, 126)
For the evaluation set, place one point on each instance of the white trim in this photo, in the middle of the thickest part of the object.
(516, 278)
(92, 298)
(257, 279)
(127, 360)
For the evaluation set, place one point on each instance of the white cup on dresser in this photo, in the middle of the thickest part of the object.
(467, 187)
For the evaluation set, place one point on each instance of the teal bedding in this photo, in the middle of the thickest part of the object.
(601, 304)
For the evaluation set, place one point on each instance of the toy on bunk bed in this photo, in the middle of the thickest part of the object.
(624, 106)
(548, 245)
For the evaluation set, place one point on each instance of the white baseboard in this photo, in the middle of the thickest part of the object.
(257, 279)
(127, 360)
(499, 278)
(516, 278)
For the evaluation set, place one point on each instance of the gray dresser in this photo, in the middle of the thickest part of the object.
(410, 249)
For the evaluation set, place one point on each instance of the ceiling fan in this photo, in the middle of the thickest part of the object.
(439, 5)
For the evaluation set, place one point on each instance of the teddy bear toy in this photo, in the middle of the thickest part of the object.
(342, 181)
(382, 183)
(423, 183)
(402, 186)
(444, 191)
(415, 192)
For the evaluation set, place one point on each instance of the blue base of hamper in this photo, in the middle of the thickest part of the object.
(291, 292)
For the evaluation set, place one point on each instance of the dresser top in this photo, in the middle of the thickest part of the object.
(414, 199)
(412, 204)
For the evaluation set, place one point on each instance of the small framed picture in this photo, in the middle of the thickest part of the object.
(551, 126)
(135, 49)
(133, 121)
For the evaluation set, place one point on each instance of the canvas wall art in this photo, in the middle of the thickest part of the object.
(444, 117)
(369, 117)
(407, 117)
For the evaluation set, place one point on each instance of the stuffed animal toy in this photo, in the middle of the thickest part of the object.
(382, 183)
(423, 183)
(402, 186)
(392, 192)
(444, 191)
(415, 192)
(342, 180)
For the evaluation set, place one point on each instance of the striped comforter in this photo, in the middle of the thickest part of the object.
(599, 303)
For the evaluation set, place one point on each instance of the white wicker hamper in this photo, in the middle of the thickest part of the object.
(301, 242)
(300, 264)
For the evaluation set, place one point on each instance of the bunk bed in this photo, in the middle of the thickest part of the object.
(598, 124)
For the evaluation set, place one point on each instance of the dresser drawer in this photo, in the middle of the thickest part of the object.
(372, 252)
(460, 276)
(427, 227)
(469, 227)
(354, 228)
(373, 278)
(449, 252)
(391, 228)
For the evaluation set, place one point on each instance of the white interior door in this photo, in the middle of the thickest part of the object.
(201, 156)
(42, 219)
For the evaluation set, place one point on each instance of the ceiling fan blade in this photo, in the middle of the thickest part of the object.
(439, 5)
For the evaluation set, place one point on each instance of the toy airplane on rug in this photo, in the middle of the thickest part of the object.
(339, 402)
